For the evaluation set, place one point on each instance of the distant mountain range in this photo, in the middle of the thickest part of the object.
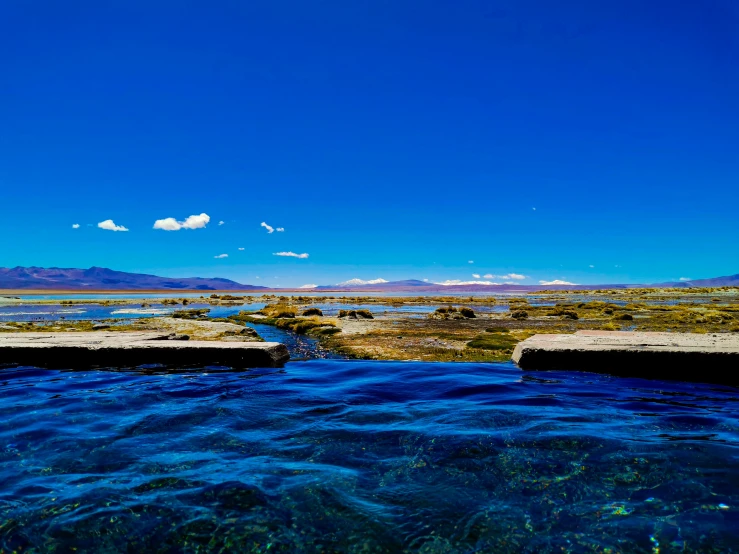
(100, 278)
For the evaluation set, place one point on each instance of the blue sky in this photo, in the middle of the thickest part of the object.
(584, 141)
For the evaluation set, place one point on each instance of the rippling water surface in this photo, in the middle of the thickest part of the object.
(328, 455)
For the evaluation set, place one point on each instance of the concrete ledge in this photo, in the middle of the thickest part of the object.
(111, 349)
(677, 356)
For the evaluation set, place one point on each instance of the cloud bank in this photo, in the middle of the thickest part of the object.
(556, 282)
(108, 225)
(311, 286)
(291, 255)
(450, 282)
(363, 282)
(220, 256)
(509, 276)
(75, 226)
(192, 222)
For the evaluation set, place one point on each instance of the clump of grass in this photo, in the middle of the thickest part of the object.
(199, 313)
(564, 312)
(520, 314)
(280, 311)
(312, 311)
(624, 317)
(324, 331)
(356, 314)
(303, 326)
(169, 302)
(451, 312)
(496, 330)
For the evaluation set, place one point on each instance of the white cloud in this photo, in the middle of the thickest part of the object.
(476, 275)
(591, 266)
(291, 255)
(220, 256)
(221, 223)
(240, 248)
(192, 222)
(533, 209)
(363, 282)
(167, 224)
(269, 228)
(685, 279)
(556, 282)
(75, 226)
(516, 276)
(450, 282)
(509, 276)
(196, 221)
(311, 286)
(425, 280)
(108, 225)
(280, 229)
(471, 262)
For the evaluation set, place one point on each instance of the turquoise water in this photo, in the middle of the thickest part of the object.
(356, 456)
(84, 312)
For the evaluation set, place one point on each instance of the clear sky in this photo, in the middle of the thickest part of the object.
(588, 141)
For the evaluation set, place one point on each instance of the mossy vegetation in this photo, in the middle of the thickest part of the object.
(623, 317)
(494, 341)
(312, 311)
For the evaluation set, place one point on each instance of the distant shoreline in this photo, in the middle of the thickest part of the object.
(7, 292)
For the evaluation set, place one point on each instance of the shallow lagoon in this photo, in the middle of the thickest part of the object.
(365, 456)
(83, 312)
